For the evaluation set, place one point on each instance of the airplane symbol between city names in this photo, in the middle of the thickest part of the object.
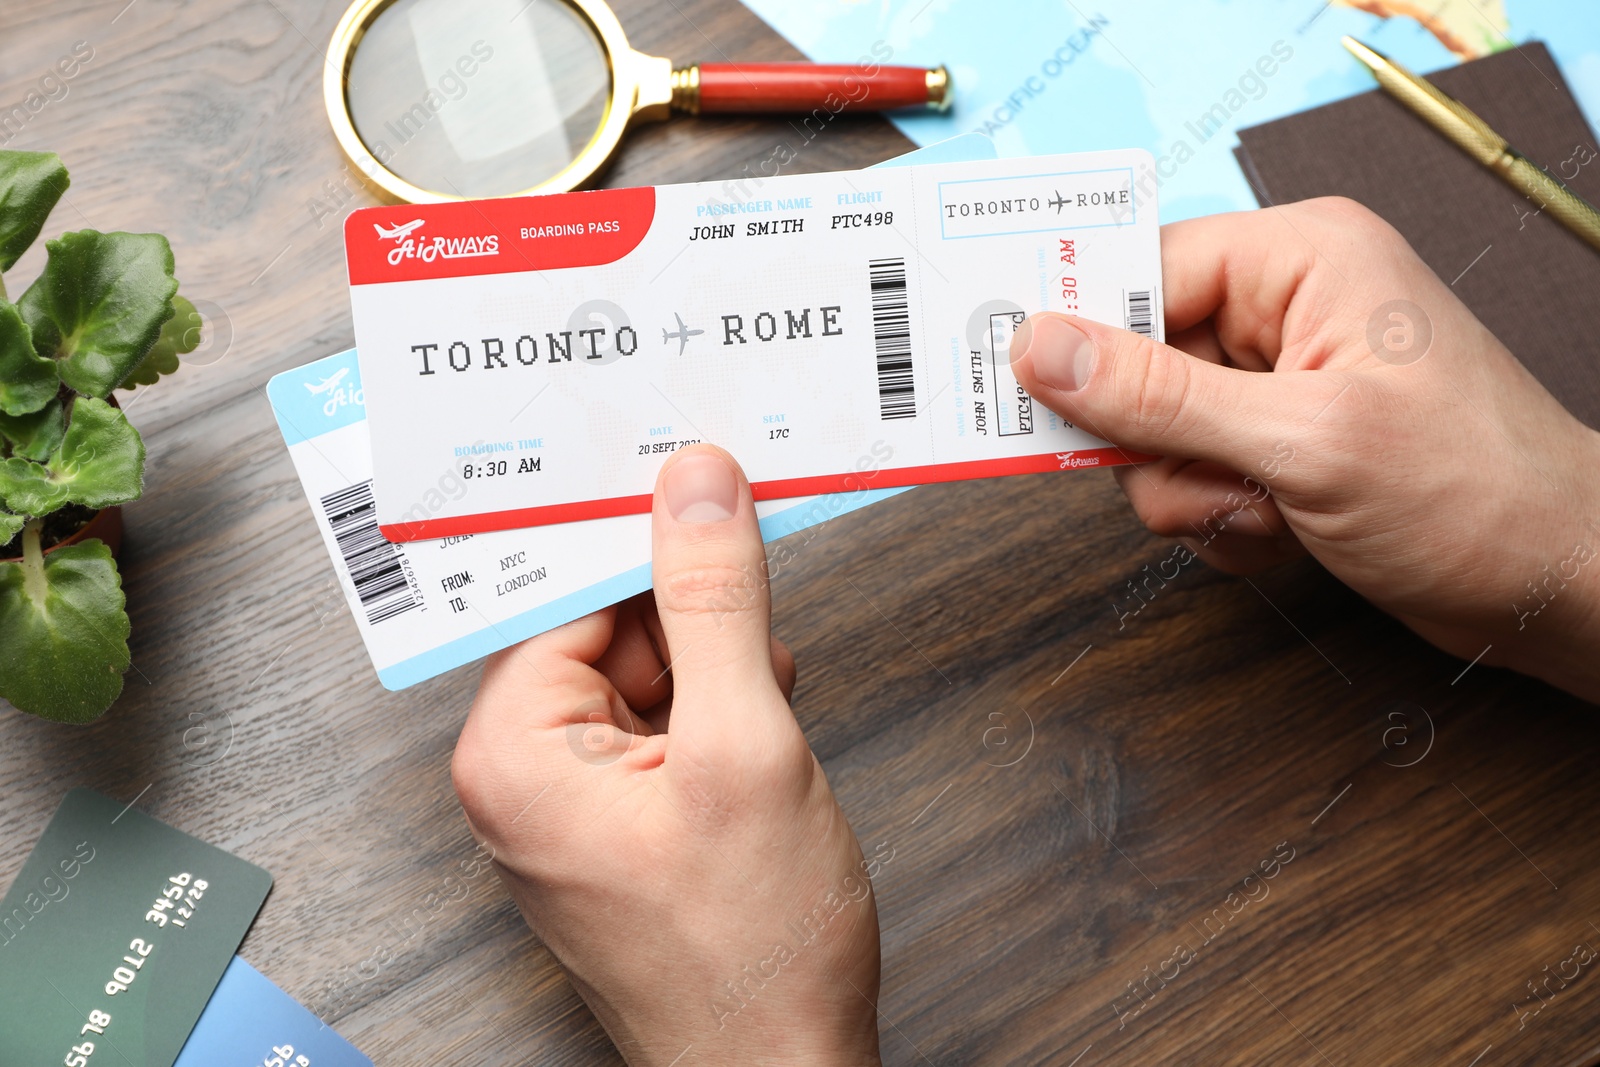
(1058, 203)
(396, 233)
(682, 336)
(328, 384)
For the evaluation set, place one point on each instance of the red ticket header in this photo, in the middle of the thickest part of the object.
(412, 242)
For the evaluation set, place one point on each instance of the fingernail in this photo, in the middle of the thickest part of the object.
(701, 488)
(1062, 355)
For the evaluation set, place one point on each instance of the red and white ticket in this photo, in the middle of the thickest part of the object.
(542, 355)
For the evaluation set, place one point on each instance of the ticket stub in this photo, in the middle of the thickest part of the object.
(553, 349)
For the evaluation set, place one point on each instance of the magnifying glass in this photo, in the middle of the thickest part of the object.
(437, 100)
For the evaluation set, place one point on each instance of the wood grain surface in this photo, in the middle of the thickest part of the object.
(1070, 796)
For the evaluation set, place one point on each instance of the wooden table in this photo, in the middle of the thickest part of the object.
(1069, 798)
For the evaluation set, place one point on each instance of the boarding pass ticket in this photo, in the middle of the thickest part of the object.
(832, 331)
(423, 609)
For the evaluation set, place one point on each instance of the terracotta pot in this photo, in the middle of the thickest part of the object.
(106, 525)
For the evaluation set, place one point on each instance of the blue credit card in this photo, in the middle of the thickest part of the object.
(250, 1022)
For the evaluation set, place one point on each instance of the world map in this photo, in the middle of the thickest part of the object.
(1467, 27)
(1177, 77)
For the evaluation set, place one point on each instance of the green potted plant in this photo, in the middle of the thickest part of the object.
(103, 314)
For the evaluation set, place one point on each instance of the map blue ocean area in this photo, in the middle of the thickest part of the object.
(1177, 77)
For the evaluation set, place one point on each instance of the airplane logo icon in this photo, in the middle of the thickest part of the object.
(682, 336)
(328, 384)
(397, 233)
(1058, 203)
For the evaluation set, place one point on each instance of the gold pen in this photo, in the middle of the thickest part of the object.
(1457, 122)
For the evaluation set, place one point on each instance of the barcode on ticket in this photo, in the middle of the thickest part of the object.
(1139, 314)
(891, 335)
(377, 568)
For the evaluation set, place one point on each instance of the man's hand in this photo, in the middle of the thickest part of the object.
(659, 818)
(1324, 391)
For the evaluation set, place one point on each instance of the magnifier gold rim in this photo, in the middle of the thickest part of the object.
(639, 84)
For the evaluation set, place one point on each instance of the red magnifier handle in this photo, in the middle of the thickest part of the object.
(799, 87)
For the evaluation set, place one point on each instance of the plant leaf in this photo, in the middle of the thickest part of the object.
(99, 305)
(27, 379)
(100, 463)
(179, 334)
(37, 434)
(66, 634)
(30, 185)
(9, 525)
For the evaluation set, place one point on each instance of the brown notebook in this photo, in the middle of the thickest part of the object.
(1531, 281)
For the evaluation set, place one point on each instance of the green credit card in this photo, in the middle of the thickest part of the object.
(114, 936)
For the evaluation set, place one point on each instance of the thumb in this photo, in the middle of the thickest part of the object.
(710, 577)
(1141, 394)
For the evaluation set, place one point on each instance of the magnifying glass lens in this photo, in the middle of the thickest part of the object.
(478, 97)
